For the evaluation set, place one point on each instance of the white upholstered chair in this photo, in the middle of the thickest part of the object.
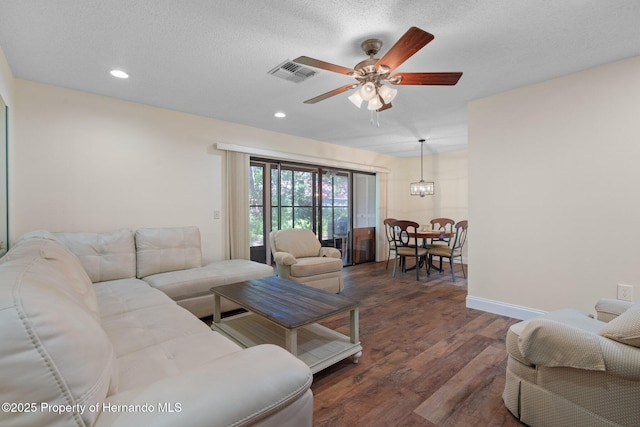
(567, 368)
(300, 257)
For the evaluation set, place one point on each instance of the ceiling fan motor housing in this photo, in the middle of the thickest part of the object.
(371, 46)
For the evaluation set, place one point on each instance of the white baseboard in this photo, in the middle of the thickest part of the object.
(502, 308)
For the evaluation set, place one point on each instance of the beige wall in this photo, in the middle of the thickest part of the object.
(554, 192)
(88, 162)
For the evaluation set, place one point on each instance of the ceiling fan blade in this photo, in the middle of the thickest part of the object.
(305, 60)
(445, 79)
(329, 94)
(411, 42)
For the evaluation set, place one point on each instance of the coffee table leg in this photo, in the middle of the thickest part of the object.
(355, 332)
(216, 309)
(291, 341)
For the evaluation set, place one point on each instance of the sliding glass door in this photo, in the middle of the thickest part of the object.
(284, 195)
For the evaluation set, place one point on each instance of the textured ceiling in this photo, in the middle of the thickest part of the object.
(211, 58)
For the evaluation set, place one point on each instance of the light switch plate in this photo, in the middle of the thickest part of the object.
(625, 292)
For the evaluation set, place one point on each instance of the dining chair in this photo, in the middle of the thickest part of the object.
(445, 224)
(405, 238)
(453, 251)
(389, 231)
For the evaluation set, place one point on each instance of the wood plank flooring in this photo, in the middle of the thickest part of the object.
(427, 359)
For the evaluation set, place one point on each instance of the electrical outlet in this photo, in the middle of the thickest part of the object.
(625, 292)
(216, 214)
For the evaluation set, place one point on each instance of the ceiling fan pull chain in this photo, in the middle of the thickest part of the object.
(375, 122)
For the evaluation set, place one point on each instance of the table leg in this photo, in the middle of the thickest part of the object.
(354, 319)
(291, 341)
(217, 317)
(355, 332)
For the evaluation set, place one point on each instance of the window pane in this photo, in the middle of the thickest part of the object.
(256, 229)
(287, 217)
(327, 189)
(341, 221)
(286, 188)
(303, 188)
(341, 190)
(327, 223)
(274, 187)
(256, 190)
(303, 218)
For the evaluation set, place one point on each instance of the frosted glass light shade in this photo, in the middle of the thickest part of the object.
(387, 93)
(356, 99)
(368, 91)
(422, 188)
(374, 103)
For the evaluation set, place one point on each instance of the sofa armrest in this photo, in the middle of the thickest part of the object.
(330, 252)
(237, 389)
(609, 309)
(284, 258)
(551, 343)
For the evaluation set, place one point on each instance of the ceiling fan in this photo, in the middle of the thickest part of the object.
(372, 73)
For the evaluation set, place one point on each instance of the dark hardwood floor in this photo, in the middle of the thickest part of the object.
(427, 360)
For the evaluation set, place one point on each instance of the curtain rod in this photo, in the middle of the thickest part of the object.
(281, 155)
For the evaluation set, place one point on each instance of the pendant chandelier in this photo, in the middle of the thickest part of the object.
(422, 188)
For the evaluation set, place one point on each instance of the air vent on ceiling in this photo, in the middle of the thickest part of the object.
(292, 72)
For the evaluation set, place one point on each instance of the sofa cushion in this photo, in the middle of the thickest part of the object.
(41, 246)
(120, 296)
(624, 328)
(315, 265)
(104, 256)
(54, 350)
(298, 242)
(195, 282)
(161, 340)
(167, 249)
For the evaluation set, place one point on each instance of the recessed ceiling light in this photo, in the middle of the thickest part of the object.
(280, 115)
(119, 74)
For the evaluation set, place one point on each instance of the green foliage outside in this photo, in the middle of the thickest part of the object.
(295, 207)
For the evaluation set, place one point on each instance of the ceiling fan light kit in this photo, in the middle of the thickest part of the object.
(372, 73)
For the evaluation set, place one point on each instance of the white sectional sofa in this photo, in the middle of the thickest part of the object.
(168, 259)
(122, 353)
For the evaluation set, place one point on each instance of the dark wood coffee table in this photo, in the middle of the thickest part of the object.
(285, 313)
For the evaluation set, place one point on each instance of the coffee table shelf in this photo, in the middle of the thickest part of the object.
(286, 313)
(319, 347)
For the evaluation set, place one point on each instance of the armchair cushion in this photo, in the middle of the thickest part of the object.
(625, 328)
(315, 265)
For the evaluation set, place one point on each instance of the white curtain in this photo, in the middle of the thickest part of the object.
(237, 205)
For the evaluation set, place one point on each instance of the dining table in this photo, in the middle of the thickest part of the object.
(427, 233)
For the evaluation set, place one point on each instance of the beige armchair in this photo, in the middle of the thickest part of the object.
(567, 368)
(300, 257)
